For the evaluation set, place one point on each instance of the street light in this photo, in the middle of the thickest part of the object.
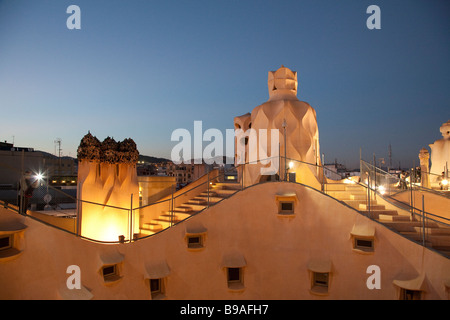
(38, 178)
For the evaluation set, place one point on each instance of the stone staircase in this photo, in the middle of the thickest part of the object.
(437, 235)
(354, 195)
(217, 192)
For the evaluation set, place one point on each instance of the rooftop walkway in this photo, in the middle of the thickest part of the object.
(430, 233)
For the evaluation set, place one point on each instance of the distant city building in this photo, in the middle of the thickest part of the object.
(187, 173)
(338, 171)
(15, 160)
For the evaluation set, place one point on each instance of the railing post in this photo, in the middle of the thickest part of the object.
(323, 171)
(78, 218)
(423, 220)
(279, 161)
(284, 125)
(131, 218)
(411, 203)
(368, 195)
(374, 177)
(242, 176)
(207, 190)
(323, 177)
(389, 183)
(21, 200)
(171, 209)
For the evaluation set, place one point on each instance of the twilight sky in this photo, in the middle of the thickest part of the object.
(142, 69)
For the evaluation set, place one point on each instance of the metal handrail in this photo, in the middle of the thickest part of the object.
(405, 206)
(234, 169)
(437, 192)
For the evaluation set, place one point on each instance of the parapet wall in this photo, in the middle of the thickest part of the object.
(277, 255)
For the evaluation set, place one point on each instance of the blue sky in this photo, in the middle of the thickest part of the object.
(142, 69)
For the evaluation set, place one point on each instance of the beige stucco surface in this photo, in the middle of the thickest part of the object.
(278, 252)
(294, 122)
(440, 154)
(432, 203)
(108, 191)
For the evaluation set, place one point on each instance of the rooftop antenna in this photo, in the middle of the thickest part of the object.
(58, 143)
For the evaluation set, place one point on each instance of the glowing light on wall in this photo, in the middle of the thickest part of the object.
(108, 188)
(349, 181)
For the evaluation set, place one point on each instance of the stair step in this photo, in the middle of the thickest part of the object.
(345, 193)
(152, 226)
(375, 214)
(438, 240)
(355, 203)
(196, 201)
(205, 194)
(430, 241)
(205, 198)
(401, 226)
(404, 226)
(177, 211)
(341, 195)
(354, 187)
(167, 217)
(387, 217)
(197, 207)
(212, 193)
(361, 196)
(147, 232)
(218, 192)
(185, 215)
(384, 211)
(434, 231)
(180, 215)
(415, 237)
(228, 185)
(163, 223)
(365, 206)
(225, 192)
(335, 187)
(183, 208)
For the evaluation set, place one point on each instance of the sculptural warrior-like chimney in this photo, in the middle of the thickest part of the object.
(440, 155)
(282, 84)
(298, 133)
(107, 180)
